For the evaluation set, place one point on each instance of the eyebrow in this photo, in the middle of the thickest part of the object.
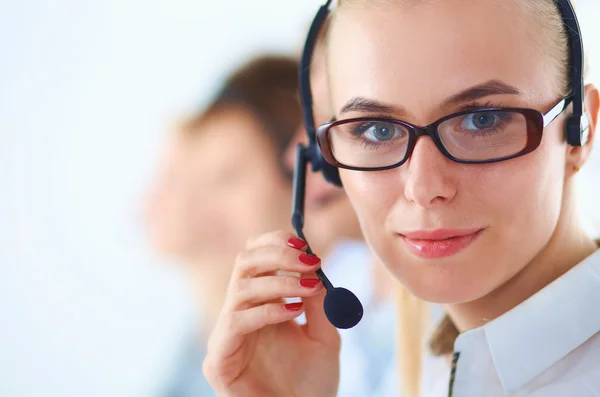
(362, 104)
(489, 88)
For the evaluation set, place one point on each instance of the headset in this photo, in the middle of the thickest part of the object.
(342, 307)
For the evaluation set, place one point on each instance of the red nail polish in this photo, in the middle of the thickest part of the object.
(309, 260)
(309, 282)
(293, 307)
(296, 243)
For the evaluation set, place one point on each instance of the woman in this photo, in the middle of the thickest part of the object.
(220, 164)
(498, 243)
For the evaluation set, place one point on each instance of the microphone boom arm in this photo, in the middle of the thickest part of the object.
(298, 206)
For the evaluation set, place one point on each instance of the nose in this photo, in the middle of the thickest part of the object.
(429, 181)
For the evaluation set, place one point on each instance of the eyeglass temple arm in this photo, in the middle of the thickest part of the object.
(298, 205)
(557, 110)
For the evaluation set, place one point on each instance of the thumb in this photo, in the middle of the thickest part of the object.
(317, 325)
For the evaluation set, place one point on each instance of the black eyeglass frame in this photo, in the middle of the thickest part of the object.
(536, 122)
(575, 134)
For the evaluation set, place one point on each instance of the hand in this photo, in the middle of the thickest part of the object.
(256, 349)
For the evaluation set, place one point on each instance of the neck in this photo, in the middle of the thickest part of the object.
(568, 246)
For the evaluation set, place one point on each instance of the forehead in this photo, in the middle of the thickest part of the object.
(419, 55)
(228, 138)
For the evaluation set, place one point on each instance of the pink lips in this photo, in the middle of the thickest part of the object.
(440, 243)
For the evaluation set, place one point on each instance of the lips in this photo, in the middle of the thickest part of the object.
(440, 243)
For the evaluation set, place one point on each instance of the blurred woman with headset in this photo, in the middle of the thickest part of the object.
(459, 129)
(235, 156)
(222, 181)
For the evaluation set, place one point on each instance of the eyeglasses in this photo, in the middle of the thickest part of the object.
(478, 136)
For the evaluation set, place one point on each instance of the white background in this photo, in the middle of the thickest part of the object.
(87, 89)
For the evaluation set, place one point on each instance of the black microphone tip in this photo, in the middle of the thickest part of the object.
(342, 308)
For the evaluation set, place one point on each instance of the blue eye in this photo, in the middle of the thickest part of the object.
(481, 121)
(380, 131)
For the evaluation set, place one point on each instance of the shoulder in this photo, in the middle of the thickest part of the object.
(578, 373)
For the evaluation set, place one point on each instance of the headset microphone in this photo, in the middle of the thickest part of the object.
(342, 307)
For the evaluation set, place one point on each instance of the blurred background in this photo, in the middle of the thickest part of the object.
(88, 90)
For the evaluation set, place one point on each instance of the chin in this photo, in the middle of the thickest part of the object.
(449, 280)
(445, 293)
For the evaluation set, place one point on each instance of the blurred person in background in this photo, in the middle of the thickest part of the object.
(222, 181)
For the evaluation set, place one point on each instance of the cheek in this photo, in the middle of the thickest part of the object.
(528, 192)
(372, 195)
(262, 202)
(520, 200)
(172, 209)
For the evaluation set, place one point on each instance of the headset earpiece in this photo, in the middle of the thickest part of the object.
(329, 172)
(578, 130)
(585, 128)
(574, 131)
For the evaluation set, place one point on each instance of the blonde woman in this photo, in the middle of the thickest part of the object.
(476, 211)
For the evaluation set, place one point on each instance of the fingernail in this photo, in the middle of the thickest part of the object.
(309, 260)
(293, 307)
(309, 282)
(296, 243)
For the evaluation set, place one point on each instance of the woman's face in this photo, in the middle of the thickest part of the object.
(239, 187)
(413, 59)
(234, 186)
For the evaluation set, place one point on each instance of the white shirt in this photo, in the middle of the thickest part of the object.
(548, 346)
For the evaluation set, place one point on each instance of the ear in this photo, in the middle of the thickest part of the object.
(577, 156)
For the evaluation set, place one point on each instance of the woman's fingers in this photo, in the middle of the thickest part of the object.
(250, 291)
(264, 259)
(246, 321)
(233, 326)
(274, 266)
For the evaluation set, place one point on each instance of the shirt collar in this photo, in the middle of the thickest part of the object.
(530, 338)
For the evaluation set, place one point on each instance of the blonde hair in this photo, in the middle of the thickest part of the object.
(414, 314)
